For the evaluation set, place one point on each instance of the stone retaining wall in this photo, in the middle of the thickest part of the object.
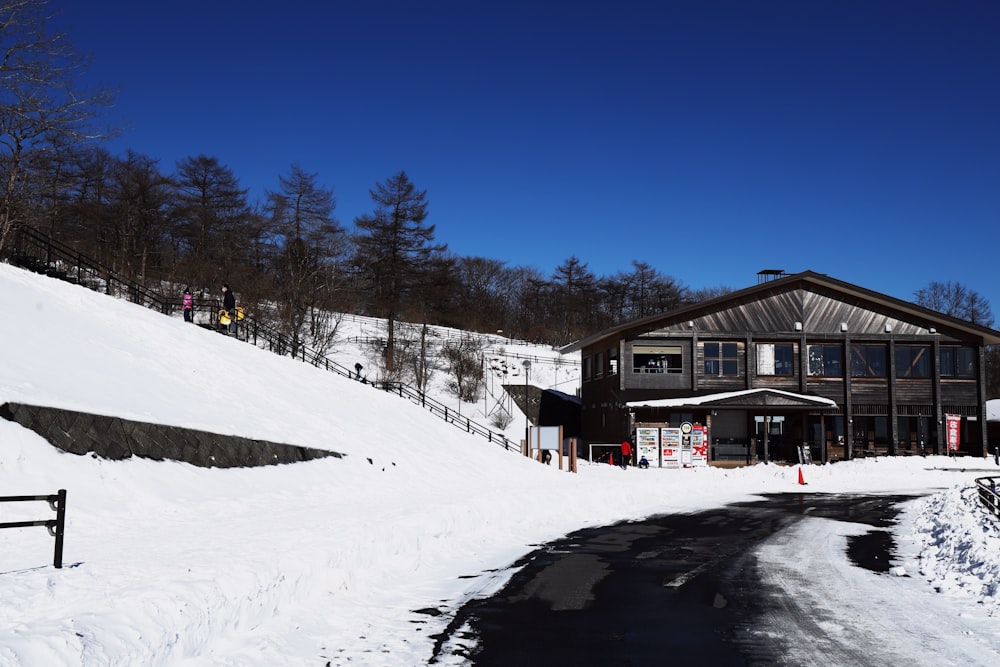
(116, 438)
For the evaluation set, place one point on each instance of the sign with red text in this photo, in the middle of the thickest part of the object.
(699, 445)
(952, 430)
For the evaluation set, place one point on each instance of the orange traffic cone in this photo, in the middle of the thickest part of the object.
(611, 458)
(801, 480)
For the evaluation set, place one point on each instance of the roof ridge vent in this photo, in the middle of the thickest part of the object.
(767, 275)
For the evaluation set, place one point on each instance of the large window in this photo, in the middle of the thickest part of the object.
(868, 361)
(871, 431)
(662, 359)
(722, 359)
(775, 359)
(913, 361)
(826, 361)
(958, 362)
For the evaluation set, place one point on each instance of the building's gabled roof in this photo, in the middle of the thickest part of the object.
(763, 397)
(805, 279)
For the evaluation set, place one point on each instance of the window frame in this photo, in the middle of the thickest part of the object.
(826, 361)
(953, 369)
(726, 359)
(664, 353)
(779, 364)
(862, 353)
(921, 361)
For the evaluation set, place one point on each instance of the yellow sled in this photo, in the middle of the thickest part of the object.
(225, 318)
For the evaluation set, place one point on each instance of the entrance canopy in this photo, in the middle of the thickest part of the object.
(741, 400)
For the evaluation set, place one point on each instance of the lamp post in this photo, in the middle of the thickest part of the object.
(527, 370)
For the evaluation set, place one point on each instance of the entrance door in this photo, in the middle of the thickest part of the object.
(770, 430)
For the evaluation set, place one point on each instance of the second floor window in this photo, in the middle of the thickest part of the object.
(913, 361)
(775, 359)
(826, 361)
(665, 359)
(958, 362)
(868, 361)
(721, 359)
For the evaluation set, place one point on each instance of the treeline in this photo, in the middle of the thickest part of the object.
(288, 255)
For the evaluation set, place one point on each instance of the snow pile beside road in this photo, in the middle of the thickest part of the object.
(959, 546)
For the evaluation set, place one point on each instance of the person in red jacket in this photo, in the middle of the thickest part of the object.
(626, 454)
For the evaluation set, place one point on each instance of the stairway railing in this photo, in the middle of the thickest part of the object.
(38, 252)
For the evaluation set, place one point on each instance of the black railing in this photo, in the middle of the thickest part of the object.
(38, 252)
(56, 527)
(448, 414)
(988, 494)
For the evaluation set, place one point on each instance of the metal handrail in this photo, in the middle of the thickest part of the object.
(93, 275)
(988, 496)
(56, 527)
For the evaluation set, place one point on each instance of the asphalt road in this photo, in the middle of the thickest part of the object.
(673, 590)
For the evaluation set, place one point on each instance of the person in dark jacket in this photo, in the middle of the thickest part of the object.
(229, 305)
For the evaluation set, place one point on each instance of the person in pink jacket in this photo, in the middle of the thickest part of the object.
(188, 306)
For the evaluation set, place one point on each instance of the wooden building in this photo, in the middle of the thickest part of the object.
(796, 360)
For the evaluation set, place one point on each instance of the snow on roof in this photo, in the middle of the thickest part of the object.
(712, 398)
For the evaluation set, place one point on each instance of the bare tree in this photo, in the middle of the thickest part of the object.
(138, 202)
(210, 215)
(310, 242)
(482, 298)
(956, 300)
(40, 103)
(574, 296)
(465, 363)
(393, 246)
(706, 293)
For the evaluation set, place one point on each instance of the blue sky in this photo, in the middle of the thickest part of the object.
(711, 139)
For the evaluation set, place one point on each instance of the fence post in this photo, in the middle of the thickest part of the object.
(60, 508)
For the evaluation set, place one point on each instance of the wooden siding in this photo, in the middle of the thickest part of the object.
(818, 313)
(957, 391)
(804, 312)
(680, 380)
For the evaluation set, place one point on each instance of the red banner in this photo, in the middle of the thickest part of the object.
(953, 424)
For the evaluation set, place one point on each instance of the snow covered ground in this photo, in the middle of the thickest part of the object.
(337, 561)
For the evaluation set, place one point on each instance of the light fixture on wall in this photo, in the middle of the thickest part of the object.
(843, 326)
(798, 326)
(932, 330)
(888, 328)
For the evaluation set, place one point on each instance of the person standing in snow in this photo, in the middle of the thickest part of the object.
(626, 454)
(188, 306)
(229, 305)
